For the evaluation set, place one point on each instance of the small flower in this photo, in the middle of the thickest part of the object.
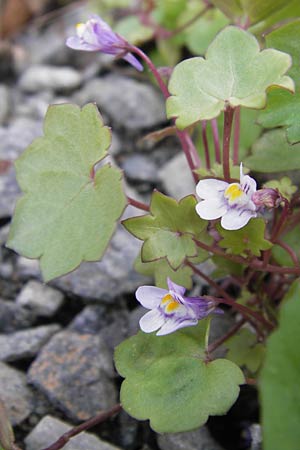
(170, 310)
(233, 202)
(96, 35)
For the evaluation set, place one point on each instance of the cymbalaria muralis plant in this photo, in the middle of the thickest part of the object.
(247, 74)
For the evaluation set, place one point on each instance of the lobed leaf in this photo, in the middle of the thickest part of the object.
(202, 88)
(279, 384)
(169, 231)
(67, 214)
(168, 382)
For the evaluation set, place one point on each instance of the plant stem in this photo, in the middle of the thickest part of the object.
(189, 22)
(236, 136)
(228, 300)
(99, 418)
(214, 345)
(185, 140)
(205, 143)
(228, 118)
(137, 204)
(289, 250)
(215, 131)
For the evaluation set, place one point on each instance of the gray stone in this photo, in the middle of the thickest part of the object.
(26, 343)
(90, 320)
(128, 103)
(256, 436)
(39, 77)
(5, 103)
(176, 177)
(13, 317)
(74, 372)
(107, 279)
(28, 268)
(199, 439)
(34, 106)
(49, 429)
(40, 299)
(140, 168)
(15, 394)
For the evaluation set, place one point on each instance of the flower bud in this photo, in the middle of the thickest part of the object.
(267, 197)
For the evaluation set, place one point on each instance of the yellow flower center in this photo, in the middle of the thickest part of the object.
(169, 304)
(233, 193)
(80, 28)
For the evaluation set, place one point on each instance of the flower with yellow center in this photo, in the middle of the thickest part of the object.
(232, 202)
(171, 310)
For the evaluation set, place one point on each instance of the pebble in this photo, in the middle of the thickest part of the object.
(49, 429)
(75, 373)
(199, 439)
(15, 394)
(26, 343)
(40, 77)
(40, 299)
(140, 168)
(177, 178)
(5, 103)
(128, 103)
(13, 317)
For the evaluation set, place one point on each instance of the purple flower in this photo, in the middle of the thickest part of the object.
(233, 202)
(170, 310)
(96, 35)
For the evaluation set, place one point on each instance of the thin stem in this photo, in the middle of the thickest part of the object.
(137, 204)
(236, 136)
(289, 250)
(214, 345)
(254, 264)
(205, 143)
(228, 118)
(228, 300)
(215, 131)
(101, 417)
(189, 22)
(185, 140)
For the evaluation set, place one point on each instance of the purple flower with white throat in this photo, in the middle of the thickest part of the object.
(170, 310)
(96, 35)
(233, 202)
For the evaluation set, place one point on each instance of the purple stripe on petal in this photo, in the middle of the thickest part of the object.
(134, 62)
(234, 219)
(150, 296)
(151, 321)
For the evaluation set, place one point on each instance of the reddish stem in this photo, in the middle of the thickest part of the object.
(236, 136)
(137, 204)
(289, 250)
(62, 441)
(205, 143)
(215, 131)
(228, 118)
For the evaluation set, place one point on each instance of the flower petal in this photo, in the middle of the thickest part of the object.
(175, 287)
(77, 43)
(211, 209)
(134, 62)
(150, 296)
(235, 219)
(210, 188)
(172, 325)
(151, 321)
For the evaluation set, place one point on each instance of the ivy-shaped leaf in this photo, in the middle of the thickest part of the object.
(168, 382)
(272, 153)
(284, 108)
(279, 384)
(67, 213)
(202, 88)
(248, 240)
(244, 350)
(170, 229)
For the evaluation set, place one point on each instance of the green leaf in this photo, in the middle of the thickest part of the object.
(249, 240)
(279, 384)
(231, 8)
(133, 30)
(168, 382)
(284, 187)
(225, 267)
(168, 11)
(202, 88)
(169, 230)
(272, 13)
(244, 350)
(291, 238)
(272, 153)
(284, 108)
(66, 214)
